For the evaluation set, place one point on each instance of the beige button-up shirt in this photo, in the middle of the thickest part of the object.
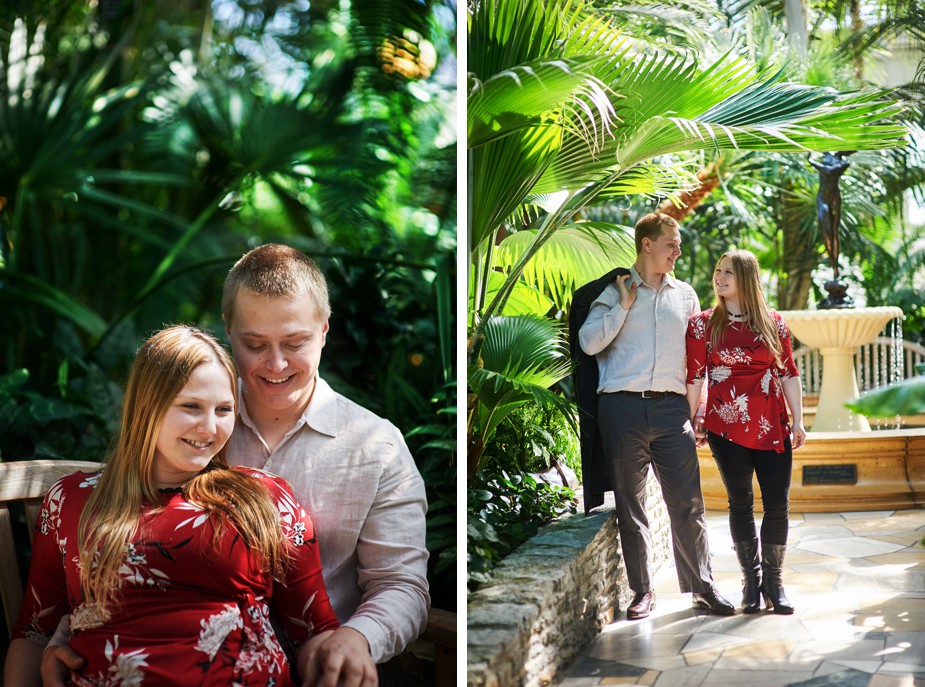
(643, 348)
(354, 475)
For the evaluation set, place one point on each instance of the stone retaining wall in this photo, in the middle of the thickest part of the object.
(551, 597)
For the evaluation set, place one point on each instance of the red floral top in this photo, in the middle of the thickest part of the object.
(190, 613)
(745, 400)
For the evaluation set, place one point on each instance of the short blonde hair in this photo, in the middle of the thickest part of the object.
(650, 227)
(274, 270)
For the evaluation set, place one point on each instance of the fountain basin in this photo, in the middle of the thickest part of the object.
(843, 471)
(837, 334)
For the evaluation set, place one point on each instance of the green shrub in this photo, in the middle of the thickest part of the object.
(504, 509)
(531, 438)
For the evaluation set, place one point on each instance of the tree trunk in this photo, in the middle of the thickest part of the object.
(856, 26)
(795, 14)
(799, 256)
(709, 180)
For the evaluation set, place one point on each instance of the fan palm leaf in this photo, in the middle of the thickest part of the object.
(575, 255)
(520, 358)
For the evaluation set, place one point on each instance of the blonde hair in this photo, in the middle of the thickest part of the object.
(111, 517)
(272, 271)
(751, 298)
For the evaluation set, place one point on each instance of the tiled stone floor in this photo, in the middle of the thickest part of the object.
(857, 581)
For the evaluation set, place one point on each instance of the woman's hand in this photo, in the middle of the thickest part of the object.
(797, 435)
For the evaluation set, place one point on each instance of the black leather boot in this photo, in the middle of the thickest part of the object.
(747, 553)
(772, 560)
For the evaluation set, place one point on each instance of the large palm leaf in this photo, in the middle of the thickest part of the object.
(666, 104)
(573, 256)
(521, 357)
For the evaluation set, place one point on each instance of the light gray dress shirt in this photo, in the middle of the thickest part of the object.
(354, 475)
(643, 348)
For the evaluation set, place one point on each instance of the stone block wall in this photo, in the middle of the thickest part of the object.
(551, 597)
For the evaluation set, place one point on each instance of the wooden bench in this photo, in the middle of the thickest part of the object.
(24, 482)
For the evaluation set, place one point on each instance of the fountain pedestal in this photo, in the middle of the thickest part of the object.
(838, 334)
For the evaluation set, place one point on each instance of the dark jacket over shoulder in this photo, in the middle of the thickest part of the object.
(594, 476)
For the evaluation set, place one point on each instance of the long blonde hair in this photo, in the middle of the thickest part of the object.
(111, 517)
(751, 299)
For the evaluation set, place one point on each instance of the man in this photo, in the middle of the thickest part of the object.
(350, 469)
(636, 330)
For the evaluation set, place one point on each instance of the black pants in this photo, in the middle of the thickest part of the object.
(636, 433)
(736, 465)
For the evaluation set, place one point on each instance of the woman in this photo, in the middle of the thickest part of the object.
(167, 559)
(744, 349)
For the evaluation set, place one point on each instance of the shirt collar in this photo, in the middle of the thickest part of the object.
(320, 415)
(667, 279)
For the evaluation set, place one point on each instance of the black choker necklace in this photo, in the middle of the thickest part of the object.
(732, 314)
(170, 490)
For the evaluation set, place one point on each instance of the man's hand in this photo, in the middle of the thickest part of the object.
(700, 432)
(57, 664)
(627, 293)
(337, 659)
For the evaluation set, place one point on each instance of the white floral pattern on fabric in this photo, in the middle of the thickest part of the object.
(135, 569)
(698, 328)
(764, 427)
(197, 520)
(303, 621)
(733, 356)
(719, 374)
(125, 669)
(766, 382)
(734, 411)
(91, 481)
(260, 650)
(50, 517)
(216, 628)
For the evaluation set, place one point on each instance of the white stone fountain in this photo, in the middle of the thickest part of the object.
(837, 334)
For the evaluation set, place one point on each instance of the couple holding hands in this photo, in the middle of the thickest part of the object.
(671, 378)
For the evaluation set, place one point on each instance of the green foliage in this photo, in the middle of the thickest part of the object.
(521, 357)
(533, 438)
(504, 509)
(906, 397)
(146, 146)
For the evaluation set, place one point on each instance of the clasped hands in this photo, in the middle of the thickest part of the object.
(700, 431)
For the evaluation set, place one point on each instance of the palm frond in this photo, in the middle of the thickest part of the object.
(573, 256)
(519, 97)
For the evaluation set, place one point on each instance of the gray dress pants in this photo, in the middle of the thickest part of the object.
(634, 433)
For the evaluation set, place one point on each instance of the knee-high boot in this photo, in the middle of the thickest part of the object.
(747, 553)
(772, 560)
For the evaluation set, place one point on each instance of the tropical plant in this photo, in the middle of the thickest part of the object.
(563, 112)
(535, 438)
(521, 359)
(145, 146)
(506, 509)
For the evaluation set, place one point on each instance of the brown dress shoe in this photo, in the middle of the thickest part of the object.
(714, 603)
(642, 605)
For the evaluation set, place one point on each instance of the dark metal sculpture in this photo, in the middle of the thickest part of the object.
(828, 211)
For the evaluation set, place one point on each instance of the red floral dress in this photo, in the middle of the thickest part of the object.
(192, 613)
(745, 400)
